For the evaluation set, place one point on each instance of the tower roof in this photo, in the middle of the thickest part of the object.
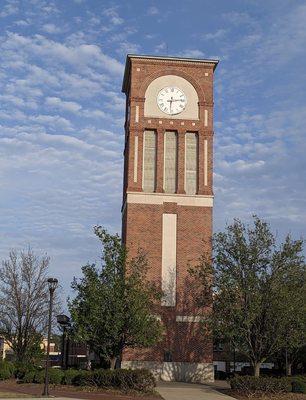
(160, 58)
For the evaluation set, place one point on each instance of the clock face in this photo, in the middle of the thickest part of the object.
(171, 100)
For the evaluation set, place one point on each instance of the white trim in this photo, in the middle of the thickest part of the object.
(185, 150)
(137, 114)
(135, 158)
(205, 118)
(160, 198)
(200, 60)
(164, 165)
(143, 157)
(188, 318)
(169, 260)
(205, 163)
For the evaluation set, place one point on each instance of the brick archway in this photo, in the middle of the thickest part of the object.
(171, 71)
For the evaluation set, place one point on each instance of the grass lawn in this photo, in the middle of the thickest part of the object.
(285, 396)
(8, 395)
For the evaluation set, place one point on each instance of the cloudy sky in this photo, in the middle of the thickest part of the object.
(62, 113)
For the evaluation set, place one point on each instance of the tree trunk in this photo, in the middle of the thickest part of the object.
(113, 362)
(257, 368)
(289, 369)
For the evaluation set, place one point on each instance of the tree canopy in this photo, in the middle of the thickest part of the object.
(258, 288)
(114, 304)
(24, 303)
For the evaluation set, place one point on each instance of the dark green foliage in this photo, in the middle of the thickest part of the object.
(6, 370)
(259, 290)
(82, 378)
(29, 377)
(23, 368)
(140, 380)
(69, 376)
(114, 304)
(56, 376)
(298, 384)
(126, 380)
(250, 384)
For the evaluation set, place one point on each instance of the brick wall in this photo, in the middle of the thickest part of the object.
(142, 223)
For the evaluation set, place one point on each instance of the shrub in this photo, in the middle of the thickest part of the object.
(22, 369)
(140, 380)
(251, 384)
(298, 384)
(6, 370)
(125, 380)
(29, 377)
(83, 378)
(69, 376)
(55, 376)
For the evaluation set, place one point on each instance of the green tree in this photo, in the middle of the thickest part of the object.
(114, 305)
(259, 290)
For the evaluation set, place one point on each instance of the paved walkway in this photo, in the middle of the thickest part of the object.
(189, 391)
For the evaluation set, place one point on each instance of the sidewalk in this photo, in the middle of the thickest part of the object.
(189, 391)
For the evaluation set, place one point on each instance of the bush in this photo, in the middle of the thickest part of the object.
(126, 380)
(298, 384)
(56, 376)
(6, 370)
(69, 376)
(29, 377)
(140, 380)
(22, 369)
(251, 384)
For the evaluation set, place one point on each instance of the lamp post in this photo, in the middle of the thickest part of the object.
(52, 284)
(64, 322)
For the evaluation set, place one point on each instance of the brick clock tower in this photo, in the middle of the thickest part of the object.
(168, 200)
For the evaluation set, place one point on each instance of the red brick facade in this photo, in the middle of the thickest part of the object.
(142, 222)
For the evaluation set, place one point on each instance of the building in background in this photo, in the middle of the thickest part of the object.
(168, 200)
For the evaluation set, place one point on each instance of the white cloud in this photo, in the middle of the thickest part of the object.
(161, 47)
(153, 10)
(192, 53)
(10, 8)
(219, 34)
(56, 102)
(78, 56)
(113, 16)
(51, 28)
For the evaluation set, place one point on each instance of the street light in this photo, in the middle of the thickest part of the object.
(52, 284)
(65, 324)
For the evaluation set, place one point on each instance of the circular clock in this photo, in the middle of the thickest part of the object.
(171, 100)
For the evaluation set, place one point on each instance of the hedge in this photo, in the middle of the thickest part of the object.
(6, 370)
(251, 384)
(139, 380)
(298, 384)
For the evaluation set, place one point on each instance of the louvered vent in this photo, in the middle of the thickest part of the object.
(191, 163)
(149, 161)
(170, 162)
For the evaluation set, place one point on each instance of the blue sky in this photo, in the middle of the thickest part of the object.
(62, 113)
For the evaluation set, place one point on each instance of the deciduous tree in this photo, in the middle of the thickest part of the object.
(114, 304)
(24, 302)
(259, 290)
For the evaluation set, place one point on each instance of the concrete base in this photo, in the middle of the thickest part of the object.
(175, 371)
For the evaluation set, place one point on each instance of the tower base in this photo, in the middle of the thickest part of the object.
(175, 371)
